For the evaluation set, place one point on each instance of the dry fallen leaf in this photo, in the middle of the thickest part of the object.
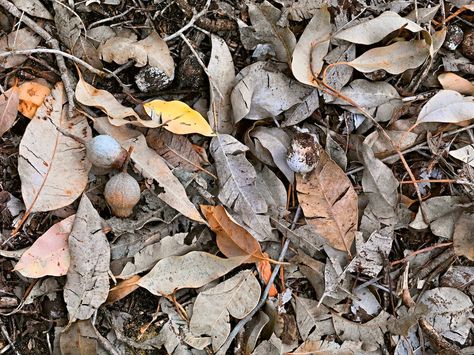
(79, 339)
(329, 202)
(192, 270)
(465, 154)
(122, 289)
(33, 8)
(222, 74)
(451, 81)
(49, 254)
(312, 47)
(8, 109)
(232, 239)
(463, 236)
(21, 39)
(88, 95)
(265, 270)
(235, 297)
(53, 167)
(178, 117)
(447, 106)
(373, 31)
(87, 284)
(309, 314)
(32, 95)
(395, 58)
(237, 186)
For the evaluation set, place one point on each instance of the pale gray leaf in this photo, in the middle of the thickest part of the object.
(222, 74)
(68, 26)
(261, 93)
(192, 270)
(235, 297)
(308, 314)
(301, 111)
(368, 94)
(373, 31)
(237, 185)
(87, 284)
(447, 106)
(33, 8)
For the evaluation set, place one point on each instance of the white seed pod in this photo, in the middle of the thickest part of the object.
(302, 155)
(105, 152)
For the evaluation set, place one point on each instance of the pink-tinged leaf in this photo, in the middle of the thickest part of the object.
(8, 109)
(49, 254)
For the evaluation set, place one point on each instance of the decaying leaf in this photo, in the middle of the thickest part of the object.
(151, 165)
(447, 106)
(261, 92)
(264, 19)
(465, 154)
(237, 184)
(152, 50)
(87, 284)
(368, 94)
(88, 95)
(329, 202)
(451, 81)
(31, 95)
(79, 339)
(395, 58)
(33, 8)
(380, 186)
(192, 270)
(373, 31)
(370, 255)
(449, 312)
(53, 167)
(68, 25)
(235, 297)
(463, 237)
(370, 332)
(84, 49)
(123, 289)
(178, 117)
(177, 150)
(17, 40)
(297, 10)
(8, 109)
(232, 239)
(149, 255)
(312, 47)
(222, 74)
(308, 315)
(49, 254)
(270, 145)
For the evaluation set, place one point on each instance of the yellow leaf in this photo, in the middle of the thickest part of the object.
(178, 118)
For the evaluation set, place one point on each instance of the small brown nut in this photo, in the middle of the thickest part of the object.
(122, 193)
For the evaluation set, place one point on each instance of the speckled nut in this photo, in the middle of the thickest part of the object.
(105, 152)
(122, 193)
(302, 155)
(467, 45)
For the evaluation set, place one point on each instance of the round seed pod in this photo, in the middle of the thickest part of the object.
(122, 193)
(105, 152)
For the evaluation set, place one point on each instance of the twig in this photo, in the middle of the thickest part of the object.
(189, 24)
(424, 250)
(264, 296)
(56, 52)
(108, 19)
(52, 42)
(7, 337)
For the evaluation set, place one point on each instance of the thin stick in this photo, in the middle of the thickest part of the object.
(264, 296)
(189, 24)
(56, 52)
(424, 250)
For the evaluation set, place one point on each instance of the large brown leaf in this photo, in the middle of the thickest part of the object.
(232, 239)
(53, 167)
(329, 202)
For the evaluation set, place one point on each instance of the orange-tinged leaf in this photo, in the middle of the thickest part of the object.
(123, 289)
(329, 202)
(178, 117)
(265, 271)
(49, 254)
(32, 95)
(8, 109)
(232, 239)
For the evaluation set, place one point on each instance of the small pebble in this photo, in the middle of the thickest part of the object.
(152, 79)
(454, 37)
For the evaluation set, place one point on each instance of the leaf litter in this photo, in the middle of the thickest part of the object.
(245, 236)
